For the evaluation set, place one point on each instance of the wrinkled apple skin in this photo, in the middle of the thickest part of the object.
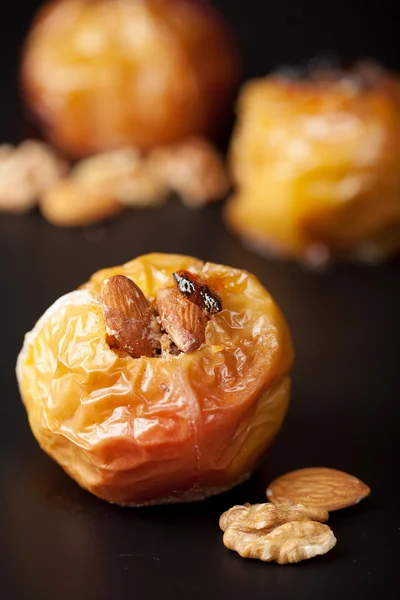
(165, 429)
(316, 162)
(102, 74)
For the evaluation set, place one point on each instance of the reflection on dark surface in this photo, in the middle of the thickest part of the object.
(46, 548)
(60, 542)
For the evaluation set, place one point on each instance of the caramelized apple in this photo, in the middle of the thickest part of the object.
(178, 422)
(101, 74)
(316, 160)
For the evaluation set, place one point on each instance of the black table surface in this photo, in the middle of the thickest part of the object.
(57, 542)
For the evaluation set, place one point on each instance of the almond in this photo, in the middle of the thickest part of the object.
(69, 204)
(318, 486)
(130, 321)
(184, 321)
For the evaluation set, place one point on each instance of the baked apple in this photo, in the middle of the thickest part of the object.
(316, 161)
(161, 380)
(102, 74)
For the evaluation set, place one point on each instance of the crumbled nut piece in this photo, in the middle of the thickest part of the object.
(288, 543)
(318, 486)
(26, 172)
(285, 533)
(194, 169)
(165, 342)
(267, 516)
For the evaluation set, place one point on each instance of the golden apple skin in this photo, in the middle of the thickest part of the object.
(316, 162)
(165, 429)
(103, 74)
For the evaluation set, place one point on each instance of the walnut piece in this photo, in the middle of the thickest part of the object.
(194, 169)
(289, 543)
(123, 174)
(267, 516)
(285, 534)
(26, 172)
(99, 187)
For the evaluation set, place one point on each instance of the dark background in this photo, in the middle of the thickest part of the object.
(57, 541)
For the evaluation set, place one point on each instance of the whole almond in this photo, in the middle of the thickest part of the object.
(184, 321)
(129, 317)
(318, 486)
(69, 204)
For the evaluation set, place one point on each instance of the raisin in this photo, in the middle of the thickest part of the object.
(212, 303)
(196, 290)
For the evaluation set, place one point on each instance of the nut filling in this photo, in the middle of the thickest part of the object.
(177, 323)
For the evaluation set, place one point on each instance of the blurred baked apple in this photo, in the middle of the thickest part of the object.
(316, 161)
(101, 74)
(161, 380)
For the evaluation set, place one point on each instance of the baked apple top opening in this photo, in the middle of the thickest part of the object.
(246, 347)
(175, 322)
(358, 77)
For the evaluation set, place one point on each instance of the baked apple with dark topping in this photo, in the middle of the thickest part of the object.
(316, 162)
(102, 74)
(162, 380)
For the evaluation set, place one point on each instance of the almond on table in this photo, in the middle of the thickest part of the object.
(318, 486)
(161, 380)
(69, 204)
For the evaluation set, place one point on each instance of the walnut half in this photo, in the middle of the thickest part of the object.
(194, 169)
(26, 172)
(285, 534)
